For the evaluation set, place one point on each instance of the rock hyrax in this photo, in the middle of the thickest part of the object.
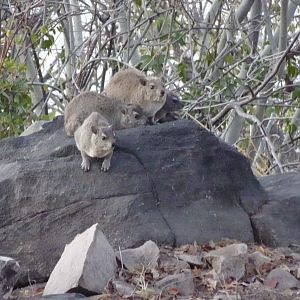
(171, 105)
(95, 138)
(117, 113)
(132, 86)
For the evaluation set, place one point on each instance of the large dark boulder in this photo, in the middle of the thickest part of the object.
(173, 183)
(278, 222)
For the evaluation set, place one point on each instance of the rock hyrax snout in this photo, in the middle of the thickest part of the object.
(95, 138)
(171, 105)
(118, 114)
(132, 86)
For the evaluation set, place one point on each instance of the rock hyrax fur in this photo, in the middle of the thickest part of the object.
(132, 86)
(171, 105)
(95, 138)
(118, 114)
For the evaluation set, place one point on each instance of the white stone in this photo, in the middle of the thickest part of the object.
(87, 263)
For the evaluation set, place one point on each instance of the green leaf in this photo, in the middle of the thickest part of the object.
(62, 55)
(138, 2)
(18, 39)
(179, 38)
(296, 93)
(159, 22)
(182, 72)
(43, 29)
(33, 37)
(46, 44)
(229, 59)
(292, 128)
(209, 58)
(292, 70)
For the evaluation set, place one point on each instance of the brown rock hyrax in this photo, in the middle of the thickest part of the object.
(132, 86)
(95, 138)
(171, 105)
(118, 114)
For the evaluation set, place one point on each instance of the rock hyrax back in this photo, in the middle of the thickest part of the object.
(117, 113)
(95, 138)
(132, 86)
(171, 105)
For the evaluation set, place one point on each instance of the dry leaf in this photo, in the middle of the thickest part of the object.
(172, 291)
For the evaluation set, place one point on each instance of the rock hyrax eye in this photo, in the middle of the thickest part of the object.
(162, 93)
(152, 86)
(137, 116)
(103, 137)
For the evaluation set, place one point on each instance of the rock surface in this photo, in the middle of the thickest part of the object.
(9, 273)
(35, 127)
(278, 222)
(173, 183)
(87, 264)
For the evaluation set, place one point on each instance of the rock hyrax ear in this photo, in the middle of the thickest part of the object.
(143, 81)
(162, 78)
(94, 129)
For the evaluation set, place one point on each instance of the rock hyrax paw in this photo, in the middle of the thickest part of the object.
(105, 166)
(85, 166)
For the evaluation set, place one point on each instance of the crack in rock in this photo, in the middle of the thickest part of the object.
(153, 187)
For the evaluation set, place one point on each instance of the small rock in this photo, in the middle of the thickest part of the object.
(191, 259)
(170, 264)
(9, 273)
(228, 262)
(281, 280)
(145, 256)
(258, 260)
(182, 283)
(295, 256)
(87, 264)
(123, 288)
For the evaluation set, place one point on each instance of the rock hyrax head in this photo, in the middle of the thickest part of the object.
(173, 102)
(154, 89)
(102, 139)
(132, 116)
